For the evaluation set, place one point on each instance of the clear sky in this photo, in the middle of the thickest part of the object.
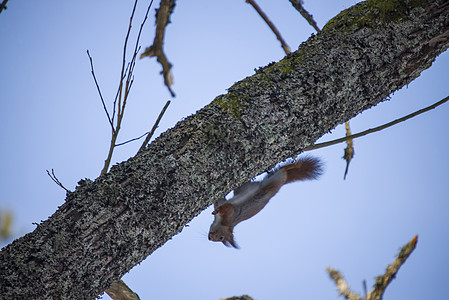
(51, 117)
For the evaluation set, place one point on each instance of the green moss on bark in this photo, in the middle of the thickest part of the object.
(373, 14)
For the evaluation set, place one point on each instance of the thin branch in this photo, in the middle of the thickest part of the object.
(118, 94)
(123, 72)
(156, 124)
(132, 140)
(137, 47)
(162, 20)
(381, 281)
(298, 5)
(150, 133)
(99, 91)
(56, 180)
(384, 280)
(342, 286)
(122, 95)
(271, 25)
(372, 130)
(3, 5)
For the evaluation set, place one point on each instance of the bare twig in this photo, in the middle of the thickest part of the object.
(357, 135)
(132, 140)
(123, 72)
(150, 133)
(342, 286)
(271, 25)
(99, 91)
(56, 180)
(381, 281)
(126, 81)
(156, 124)
(3, 5)
(298, 5)
(162, 20)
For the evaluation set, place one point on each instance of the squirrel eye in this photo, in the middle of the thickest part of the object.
(221, 238)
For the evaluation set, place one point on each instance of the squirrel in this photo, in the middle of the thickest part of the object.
(252, 196)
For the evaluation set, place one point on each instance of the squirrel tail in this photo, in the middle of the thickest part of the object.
(305, 168)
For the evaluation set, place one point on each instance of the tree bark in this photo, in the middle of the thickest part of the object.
(107, 226)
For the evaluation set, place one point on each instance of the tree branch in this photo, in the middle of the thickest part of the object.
(56, 180)
(156, 124)
(107, 226)
(271, 25)
(378, 128)
(384, 280)
(99, 91)
(122, 94)
(162, 20)
(309, 18)
(381, 281)
(3, 5)
(150, 133)
(342, 286)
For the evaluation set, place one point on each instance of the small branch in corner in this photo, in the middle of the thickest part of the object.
(3, 5)
(56, 180)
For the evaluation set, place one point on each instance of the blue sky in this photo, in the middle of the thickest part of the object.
(51, 117)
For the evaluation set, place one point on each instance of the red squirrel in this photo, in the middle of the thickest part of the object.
(252, 196)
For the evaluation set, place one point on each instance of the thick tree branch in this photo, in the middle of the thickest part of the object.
(106, 227)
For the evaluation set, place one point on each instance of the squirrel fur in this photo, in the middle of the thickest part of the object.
(251, 197)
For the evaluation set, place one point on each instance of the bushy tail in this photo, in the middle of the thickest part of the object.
(305, 168)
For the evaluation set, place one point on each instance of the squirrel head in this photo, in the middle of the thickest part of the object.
(221, 233)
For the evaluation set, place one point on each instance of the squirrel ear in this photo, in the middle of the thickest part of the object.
(229, 241)
(234, 244)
